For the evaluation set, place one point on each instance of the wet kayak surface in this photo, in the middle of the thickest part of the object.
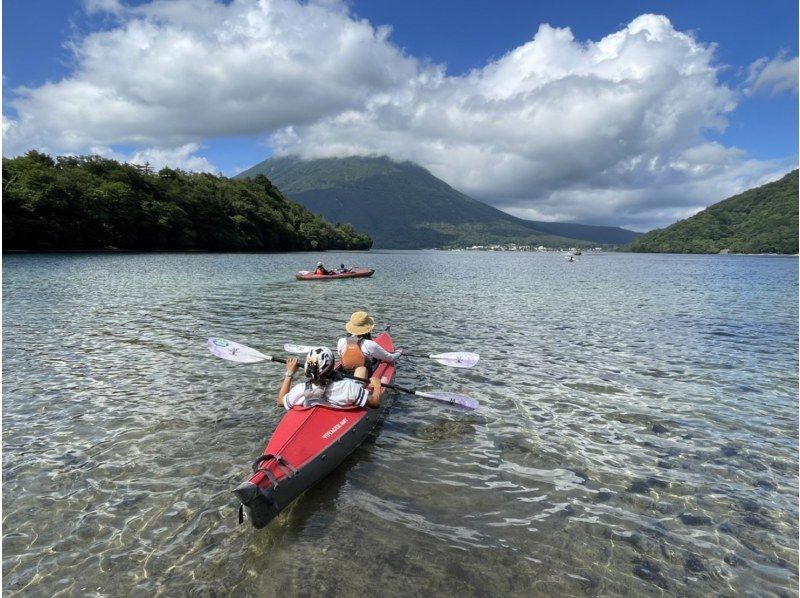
(637, 431)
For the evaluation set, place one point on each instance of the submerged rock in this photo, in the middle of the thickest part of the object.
(639, 487)
(766, 485)
(695, 564)
(446, 430)
(650, 572)
(690, 519)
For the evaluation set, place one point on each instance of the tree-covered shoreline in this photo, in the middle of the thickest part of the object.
(762, 220)
(90, 203)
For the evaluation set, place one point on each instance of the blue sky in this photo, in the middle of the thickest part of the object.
(92, 84)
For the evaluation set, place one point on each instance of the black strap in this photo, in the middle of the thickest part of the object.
(241, 514)
(257, 463)
(286, 467)
(270, 476)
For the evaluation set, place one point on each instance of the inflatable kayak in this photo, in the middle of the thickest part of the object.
(352, 273)
(307, 445)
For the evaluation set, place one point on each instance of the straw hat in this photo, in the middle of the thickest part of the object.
(360, 323)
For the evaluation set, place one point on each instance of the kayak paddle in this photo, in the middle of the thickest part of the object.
(233, 351)
(459, 359)
(448, 397)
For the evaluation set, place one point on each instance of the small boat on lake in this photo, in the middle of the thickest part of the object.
(351, 273)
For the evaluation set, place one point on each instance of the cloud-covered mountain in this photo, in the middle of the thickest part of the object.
(618, 129)
(403, 206)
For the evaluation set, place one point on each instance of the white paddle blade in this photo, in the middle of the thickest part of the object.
(451, 397)
(459, 359)
(235, 352)
(299, 349)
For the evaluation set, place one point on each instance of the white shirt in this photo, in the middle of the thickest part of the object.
(340, 393)
(370, 348)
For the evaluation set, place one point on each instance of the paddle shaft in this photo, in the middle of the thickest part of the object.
(410, 391)
(367, 380)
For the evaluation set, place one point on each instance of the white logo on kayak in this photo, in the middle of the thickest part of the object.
(335, 428)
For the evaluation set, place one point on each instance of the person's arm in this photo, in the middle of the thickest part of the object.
(291, 368)
(374, 399)
(374, 350)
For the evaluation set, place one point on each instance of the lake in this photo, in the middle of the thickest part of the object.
(638, 428)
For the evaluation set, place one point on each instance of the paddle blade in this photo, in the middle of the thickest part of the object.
(235, 352)
(451, 397)
(459, 359)
(299, 349)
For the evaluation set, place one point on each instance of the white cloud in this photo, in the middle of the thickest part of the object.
(175, 72)
(182, 157)
(773, 76)
(113, 7)
(614, 130)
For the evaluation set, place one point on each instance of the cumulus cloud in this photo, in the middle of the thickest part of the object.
(113, 7)
(175, 72)
(183, 157)
(773, 76)
(608, 131)
(612, 131)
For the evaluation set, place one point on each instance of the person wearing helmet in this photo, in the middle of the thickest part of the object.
(323, 386)
(358, 349)
(321, 269)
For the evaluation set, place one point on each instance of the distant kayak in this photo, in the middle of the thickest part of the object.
(352, 273)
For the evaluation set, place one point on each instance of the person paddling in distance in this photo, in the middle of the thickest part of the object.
(321, 269)
(324, 387)
(357, 349)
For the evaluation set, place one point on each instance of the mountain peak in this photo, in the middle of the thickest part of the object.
(403, 206)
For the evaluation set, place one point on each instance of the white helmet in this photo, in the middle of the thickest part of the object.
(319, 363)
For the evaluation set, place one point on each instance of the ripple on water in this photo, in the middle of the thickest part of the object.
(637, 431)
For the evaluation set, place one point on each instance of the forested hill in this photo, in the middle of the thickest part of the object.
(72, 203)
(761, 220)
(403, 206)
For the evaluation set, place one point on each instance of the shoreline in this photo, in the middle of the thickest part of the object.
(203, 251)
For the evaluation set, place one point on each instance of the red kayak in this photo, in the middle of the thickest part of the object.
(307, 445)
(352, 273)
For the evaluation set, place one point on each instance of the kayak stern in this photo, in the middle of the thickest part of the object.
(258, 503)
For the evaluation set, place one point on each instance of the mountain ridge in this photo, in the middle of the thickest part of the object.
(426, 211)
(763, 219)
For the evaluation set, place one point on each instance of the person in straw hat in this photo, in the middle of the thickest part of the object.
(357, 349)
